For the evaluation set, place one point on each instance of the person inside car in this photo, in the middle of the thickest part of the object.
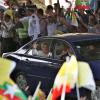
(34, 49)
(44, 52)
(66, 52)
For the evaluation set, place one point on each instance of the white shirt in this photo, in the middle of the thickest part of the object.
(24, 19)
(6, 31)
(42, 54)
(51, 28)
(34, 26)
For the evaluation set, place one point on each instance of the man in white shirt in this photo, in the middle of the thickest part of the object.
(33, 23)
(51, 21)
(34, 27)
(43, 52)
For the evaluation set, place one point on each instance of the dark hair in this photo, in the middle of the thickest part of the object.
(56, 5)
(2, 10)
(40, 11)
(28, 2)
(21, 11)
(49, 7)
(30, 10)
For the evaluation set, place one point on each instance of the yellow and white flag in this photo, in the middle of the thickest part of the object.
(68, 74)
(85, 76)
(6, 67)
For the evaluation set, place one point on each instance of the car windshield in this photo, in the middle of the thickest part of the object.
(90, 50)
(25, 48)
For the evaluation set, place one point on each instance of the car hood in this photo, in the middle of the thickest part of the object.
(4, 55)
(95, 66)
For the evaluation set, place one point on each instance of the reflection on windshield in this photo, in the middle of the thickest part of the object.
(25, 48)
(22, 51)
(89, 50)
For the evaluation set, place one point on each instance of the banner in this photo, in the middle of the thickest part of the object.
(82, 4)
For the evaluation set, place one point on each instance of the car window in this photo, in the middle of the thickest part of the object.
(24, 48)
(89, 49)
(41, 48)
(62, 49)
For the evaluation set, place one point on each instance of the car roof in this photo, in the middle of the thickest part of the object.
(75, 37)
(71, 37)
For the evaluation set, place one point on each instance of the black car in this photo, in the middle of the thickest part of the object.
(34, 66)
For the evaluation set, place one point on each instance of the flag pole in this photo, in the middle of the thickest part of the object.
(77, 89)
(78, 93)
(49, 95)
(64, 84)
(63, 91)
(36, 91)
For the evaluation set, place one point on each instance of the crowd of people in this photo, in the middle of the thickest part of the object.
(18, 25)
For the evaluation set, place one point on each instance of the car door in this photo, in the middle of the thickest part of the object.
(61, 48)
(40, 67)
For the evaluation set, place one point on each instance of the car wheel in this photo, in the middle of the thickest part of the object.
(96, 95)
(22, 83)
